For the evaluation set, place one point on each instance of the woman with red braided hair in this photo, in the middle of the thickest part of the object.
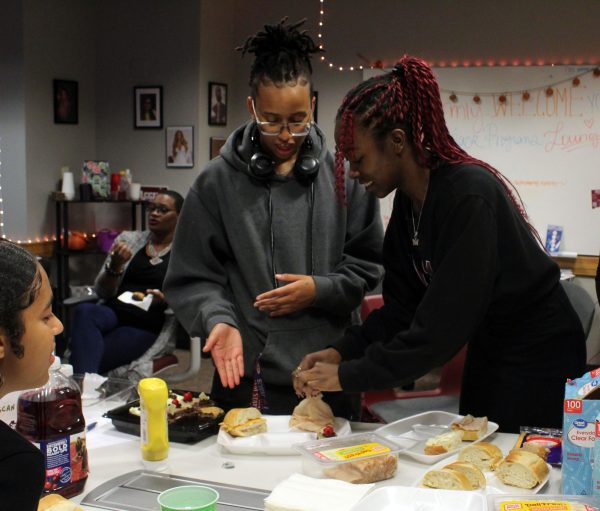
(462, 265)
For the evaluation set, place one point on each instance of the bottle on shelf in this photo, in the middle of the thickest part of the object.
(52, 418)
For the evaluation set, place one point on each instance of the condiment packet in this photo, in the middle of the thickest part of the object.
(551, 438)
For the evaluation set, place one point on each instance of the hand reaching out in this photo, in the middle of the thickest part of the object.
(318, 372)
(297, 295)
(225, 345)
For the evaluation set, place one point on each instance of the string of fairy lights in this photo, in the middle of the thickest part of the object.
(453, 95)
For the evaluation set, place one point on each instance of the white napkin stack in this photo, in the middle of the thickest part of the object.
(303, 493)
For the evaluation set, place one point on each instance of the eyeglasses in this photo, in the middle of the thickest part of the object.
(161, 210)
(272, 129)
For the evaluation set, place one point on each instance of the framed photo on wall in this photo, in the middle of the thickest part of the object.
(180, 146)
(66, 110)
(147, 107)
(217, 104)
(215, 146)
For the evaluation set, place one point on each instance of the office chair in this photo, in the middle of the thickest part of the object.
(582, 302)
(391, 404)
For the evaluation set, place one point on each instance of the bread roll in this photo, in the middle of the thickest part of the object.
(473, 428)
(244, 422)
(443, 443)
(484, 455)
(447, 479)
(369, 470)
(55, 502)
(137, 296)
(523, 469)
(473, 473)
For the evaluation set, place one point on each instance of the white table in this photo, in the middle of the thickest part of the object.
(112, 453)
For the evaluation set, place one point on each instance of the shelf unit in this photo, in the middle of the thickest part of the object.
(63, 254)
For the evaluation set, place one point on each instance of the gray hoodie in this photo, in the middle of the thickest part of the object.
(235, 231)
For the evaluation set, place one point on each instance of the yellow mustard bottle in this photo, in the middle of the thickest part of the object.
(154, 431)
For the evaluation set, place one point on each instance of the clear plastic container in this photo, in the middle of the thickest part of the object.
(359, 458)
(52, 418)
(542, 502)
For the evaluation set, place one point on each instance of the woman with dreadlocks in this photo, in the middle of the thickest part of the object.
(462, 265)
(267, 265)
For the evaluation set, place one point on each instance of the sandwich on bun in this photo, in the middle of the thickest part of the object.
(244, 422)
(55, 502)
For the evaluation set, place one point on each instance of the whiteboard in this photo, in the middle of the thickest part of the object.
(547, 145)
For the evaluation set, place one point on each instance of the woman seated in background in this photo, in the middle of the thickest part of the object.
(27, 331)
(114, 333)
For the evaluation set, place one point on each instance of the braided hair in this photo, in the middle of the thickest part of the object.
(408, 97)
(281, 55)
(20, 284)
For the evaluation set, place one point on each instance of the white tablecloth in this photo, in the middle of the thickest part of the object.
(112, 453)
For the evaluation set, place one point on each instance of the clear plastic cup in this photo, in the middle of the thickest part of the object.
(189, 498)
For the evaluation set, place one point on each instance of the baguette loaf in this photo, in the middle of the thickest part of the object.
(473, 428)
(474, 474)
(484, 455)
(369, 470)
(447, 479)
(536, 448)
(443, 443)
(523, 469)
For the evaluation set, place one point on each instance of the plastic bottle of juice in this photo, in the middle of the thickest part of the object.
(52, 418)
(154, 430)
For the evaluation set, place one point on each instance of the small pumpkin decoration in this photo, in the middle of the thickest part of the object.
(77, 240)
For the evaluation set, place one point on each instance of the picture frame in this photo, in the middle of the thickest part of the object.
(316, 109)
(179, 147)
(148, 107)
(215, 146)
(66, 101)
(217, 104)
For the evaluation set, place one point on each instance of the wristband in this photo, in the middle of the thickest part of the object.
(112, 272)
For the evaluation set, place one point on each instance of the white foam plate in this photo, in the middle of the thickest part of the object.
(493, 485)
(402, 498)
(413, 432)
(278, 439)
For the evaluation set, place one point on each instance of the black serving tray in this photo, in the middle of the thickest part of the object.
(186, 430)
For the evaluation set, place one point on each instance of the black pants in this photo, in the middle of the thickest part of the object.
(281, 399)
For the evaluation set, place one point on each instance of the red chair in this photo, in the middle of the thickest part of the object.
(390, 404)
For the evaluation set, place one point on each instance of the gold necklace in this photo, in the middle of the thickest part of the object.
(155, 257)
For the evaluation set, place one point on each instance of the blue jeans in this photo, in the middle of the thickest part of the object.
(99, 344)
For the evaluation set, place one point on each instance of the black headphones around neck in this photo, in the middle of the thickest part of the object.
(262, 166)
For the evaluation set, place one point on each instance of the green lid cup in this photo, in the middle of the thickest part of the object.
(188, 498)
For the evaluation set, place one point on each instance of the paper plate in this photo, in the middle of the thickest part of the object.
(493, 485)
(402, 498)
(278, 439)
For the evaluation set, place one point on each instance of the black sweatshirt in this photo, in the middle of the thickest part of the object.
(478, 276)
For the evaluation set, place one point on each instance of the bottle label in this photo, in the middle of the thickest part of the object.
(352, 452)
(66, 461)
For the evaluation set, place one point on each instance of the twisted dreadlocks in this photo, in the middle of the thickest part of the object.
(282, 55)
(20, 284)
(409, 98)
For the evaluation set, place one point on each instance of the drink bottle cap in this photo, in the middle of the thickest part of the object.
(56, 364)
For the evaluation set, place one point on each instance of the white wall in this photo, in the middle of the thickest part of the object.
(60, 41)
(12, 122)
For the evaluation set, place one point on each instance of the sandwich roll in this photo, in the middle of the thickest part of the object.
(243, 422)
(472, 428)
(443, 443)
(473, 473)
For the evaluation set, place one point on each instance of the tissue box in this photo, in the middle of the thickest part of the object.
(359, 458)
(581, 405)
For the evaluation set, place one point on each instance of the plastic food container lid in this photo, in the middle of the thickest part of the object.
(528, 502)
(336, 450)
